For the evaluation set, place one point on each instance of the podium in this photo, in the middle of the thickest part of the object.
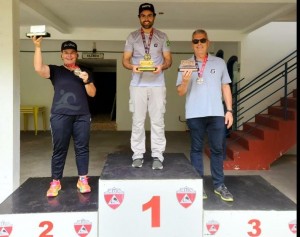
(28, 212)
(258, 210)
(146, 202)
(127, 201)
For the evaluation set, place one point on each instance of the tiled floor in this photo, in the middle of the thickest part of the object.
(36, 154)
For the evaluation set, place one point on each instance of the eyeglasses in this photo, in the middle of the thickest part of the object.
(196, 41)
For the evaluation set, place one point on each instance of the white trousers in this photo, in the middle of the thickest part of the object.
(153, 100)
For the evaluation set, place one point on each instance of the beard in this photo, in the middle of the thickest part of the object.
(148, 25)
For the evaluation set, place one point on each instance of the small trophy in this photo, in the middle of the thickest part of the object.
(187, 65)
(38, 31)
(147, 64)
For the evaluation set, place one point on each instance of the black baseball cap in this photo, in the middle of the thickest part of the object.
(68, 45)
(146, 6)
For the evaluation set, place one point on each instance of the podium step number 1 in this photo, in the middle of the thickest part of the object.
(150, 208)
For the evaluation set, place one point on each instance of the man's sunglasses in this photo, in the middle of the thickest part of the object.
(196, 41)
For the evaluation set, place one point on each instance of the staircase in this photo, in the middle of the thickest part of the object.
(262, 142)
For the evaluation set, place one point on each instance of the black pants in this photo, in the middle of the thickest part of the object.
(63, 127)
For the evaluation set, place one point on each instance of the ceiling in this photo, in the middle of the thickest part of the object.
(66, 16)
(112, 20)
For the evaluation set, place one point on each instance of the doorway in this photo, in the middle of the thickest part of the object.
(103, 105)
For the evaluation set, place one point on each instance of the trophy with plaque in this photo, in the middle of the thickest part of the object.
(191, 65)
(187, 65)
(147, 64)
(38, 31)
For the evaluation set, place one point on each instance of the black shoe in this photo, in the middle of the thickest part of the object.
(224, 193)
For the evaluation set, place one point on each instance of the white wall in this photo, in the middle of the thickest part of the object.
(260, 50)
(266, 46)
(9, 98)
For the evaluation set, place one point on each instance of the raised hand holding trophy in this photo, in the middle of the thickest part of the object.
(38, 31)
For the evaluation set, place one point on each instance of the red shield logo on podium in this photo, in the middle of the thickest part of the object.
(212, 226)
(186, 196)
(114, 197)
(83, 227)
(293, 226)
(5, 229)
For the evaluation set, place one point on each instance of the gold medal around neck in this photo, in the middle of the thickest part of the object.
(147, 57)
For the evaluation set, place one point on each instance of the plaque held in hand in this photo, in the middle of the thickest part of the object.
(187, 65)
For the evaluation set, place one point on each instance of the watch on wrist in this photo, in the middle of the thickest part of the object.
(229, 110)
(88, 82)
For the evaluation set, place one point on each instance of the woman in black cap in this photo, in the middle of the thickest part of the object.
(70, 115)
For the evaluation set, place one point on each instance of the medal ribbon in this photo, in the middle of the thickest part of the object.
(146, 46)
(200, 71)
(71, 65)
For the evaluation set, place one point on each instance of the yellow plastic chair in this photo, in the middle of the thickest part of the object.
(35, 110)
